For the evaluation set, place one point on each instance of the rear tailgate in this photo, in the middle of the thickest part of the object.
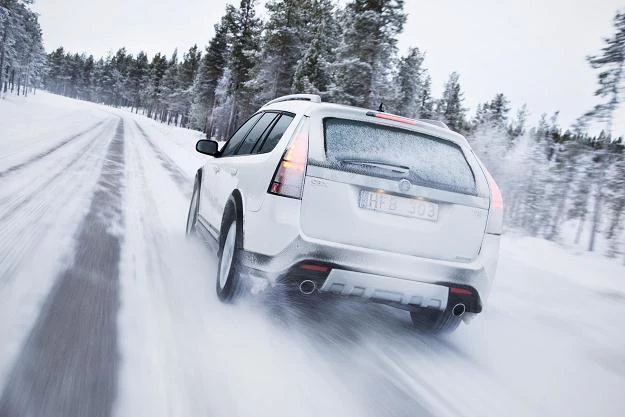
(379, 186)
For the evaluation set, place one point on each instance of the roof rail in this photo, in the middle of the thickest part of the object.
(434, 122)
(313, 98)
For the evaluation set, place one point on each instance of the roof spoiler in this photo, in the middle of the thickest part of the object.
(313, 98)
(435, 123)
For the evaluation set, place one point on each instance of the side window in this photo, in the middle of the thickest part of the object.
(239, 135)
(276, 133)
(255, 134)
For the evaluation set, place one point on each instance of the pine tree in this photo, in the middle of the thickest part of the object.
(367, 51)
(497, 111)
(21, 51)
(210, 71)
(158, 67)
(611, 64)
(169, 90)
(244, 31)
(186, 77)
(410, 83)
(426, 102)
(312, 74)
(615, 186)
(138, 79)
(285, 36)
(518, 126)
(450, 106)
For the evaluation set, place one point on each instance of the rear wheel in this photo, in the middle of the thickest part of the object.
(435, 321)
(228, 280)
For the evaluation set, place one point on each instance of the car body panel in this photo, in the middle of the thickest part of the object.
(328, 225)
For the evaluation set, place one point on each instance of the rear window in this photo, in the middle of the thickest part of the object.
(389, 152)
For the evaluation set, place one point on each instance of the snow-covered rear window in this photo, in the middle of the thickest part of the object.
(389, 152)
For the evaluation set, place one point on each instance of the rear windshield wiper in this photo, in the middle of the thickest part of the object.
(400, 169)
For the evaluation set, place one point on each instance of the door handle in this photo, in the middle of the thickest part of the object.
(233, 171)
(215, 169)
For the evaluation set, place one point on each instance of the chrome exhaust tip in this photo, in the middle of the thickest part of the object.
(458, 310)
(307, 287)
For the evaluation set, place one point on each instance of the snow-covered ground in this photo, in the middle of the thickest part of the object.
(86, 188)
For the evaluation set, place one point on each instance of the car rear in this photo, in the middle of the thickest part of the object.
(389, 209)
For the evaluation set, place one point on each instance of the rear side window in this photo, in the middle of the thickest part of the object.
(390, 152)
(276, 133)
(239, 135)
(256, 133)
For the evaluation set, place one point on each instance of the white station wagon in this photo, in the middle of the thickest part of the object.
(326, 198)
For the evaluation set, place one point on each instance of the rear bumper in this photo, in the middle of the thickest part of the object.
(382, 275)
(381, 288)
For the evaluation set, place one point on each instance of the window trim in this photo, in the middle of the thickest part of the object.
(262, 135)
(221, 155)
(263, 139)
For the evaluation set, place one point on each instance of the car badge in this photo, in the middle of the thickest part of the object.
(404, 185)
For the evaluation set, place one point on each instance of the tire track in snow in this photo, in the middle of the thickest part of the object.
(170, 166)
(17, 204)
(68, 365)
(49, 151)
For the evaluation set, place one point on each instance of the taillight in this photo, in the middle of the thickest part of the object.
(288, 181)
(495, 215)
(392, 117)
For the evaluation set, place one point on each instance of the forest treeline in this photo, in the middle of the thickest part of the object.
(561, 184)
(22, 57)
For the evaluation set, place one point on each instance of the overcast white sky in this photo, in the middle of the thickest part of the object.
(532, 50)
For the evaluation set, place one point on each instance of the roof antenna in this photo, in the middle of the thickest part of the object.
(382, 107)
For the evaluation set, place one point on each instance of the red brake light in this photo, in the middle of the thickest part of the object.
(392, 117)
(495, 193)
(288, 181)
(460, 291)
(316, 268)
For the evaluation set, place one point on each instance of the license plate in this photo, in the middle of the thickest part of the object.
(400, 206)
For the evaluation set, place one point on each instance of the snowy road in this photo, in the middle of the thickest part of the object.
(107, 310)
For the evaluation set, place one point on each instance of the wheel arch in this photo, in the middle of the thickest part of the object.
(234, 207)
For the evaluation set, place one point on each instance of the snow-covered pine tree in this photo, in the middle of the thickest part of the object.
(210, 71)
(56, 61)
(286, 34)
(367, 52)
(170, 90)
(158, 67)
(409, 82)
(489, 131)
(580, 193)
(449, 107)
(426, 102)
(611, 77)
(244, 32)
(121, 63)
(615, 197)
(496, 111)
(313, 73)
(138, 79)
(518, 126)
(186, 77)
(21, 50)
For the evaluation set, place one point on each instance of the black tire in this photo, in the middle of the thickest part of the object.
(435, 321)
(194, 206)
(228, 282)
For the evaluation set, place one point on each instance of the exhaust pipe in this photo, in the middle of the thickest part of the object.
(307, 287)
(458, 310)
